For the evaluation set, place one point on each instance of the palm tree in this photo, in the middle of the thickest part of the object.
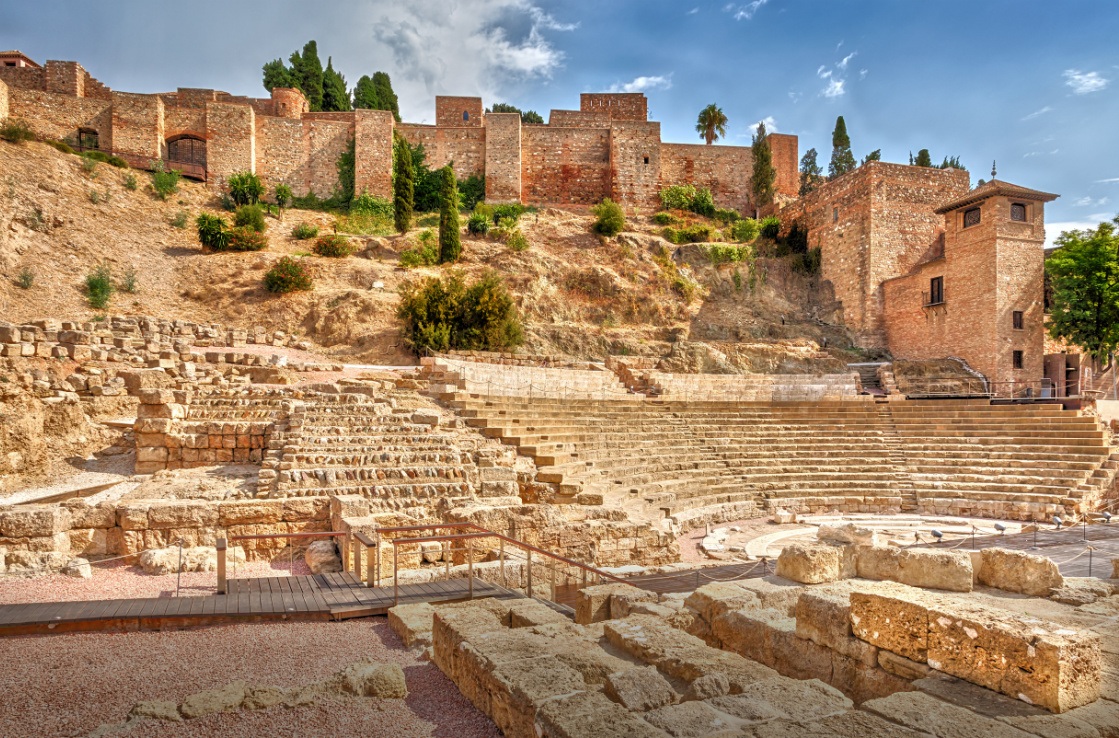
(712, 124)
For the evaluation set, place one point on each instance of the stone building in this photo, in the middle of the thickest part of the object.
(607, 148)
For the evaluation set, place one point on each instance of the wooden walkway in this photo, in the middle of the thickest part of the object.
(318, 597)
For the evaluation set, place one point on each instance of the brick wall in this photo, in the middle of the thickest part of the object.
(26, 78)
(3, 100)
(373, 150)
(280, 153)
(59, 116)
(578, 119)
(231, 140)
(137, 125)
(326, 137)
(504, 158)
(635, 163)
(64, 78)
(179, 120)
(565, 165)
(466, 147)
(786, 160)
(618, 105)
(449, 110)
(725, 170)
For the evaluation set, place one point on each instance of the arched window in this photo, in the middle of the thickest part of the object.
(88, 140)
(466, 115)
(187, 150)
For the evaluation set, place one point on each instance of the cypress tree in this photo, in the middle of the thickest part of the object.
(923, 158)
(385, 96)
(307, 70)
(810, 172)
(335, 95)
(764, 176)
(277, 75)
(842, 160)
(450, 245)
(365, 94)
(403, 185)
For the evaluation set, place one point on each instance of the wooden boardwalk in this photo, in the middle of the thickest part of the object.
(318, 597)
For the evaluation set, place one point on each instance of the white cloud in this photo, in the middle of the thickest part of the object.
(836, 76)
(795, 96)
(1038, 113)
(745, 11)
(471, 47)
(843, 63)
(834, 88)
(863, 73)
(1083, 83)
(770, 125)
(1030, 154)
(1088, 202)
(1110, 180)
(693, 11)
(641, 84)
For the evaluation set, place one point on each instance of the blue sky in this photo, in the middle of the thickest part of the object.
(1033, 85)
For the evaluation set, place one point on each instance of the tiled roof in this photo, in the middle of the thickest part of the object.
(996, 188)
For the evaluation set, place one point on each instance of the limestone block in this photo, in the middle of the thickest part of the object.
(154, 457)
(85, 515)
(897, 622)
(524, 686)
(157, 710)
(902, 667)
(694, 719)
(800, 701)
(138, 379)
(193, 558)
(754, 634)
(374, 680)
(1078, 591)
(924, 712)
(811, 563)
(854, 724)
(413, 623)
(182, 514)
(432, 552)
(707, 687)
(153, 425)
(322, 557)
(591, 714)
(78, 568)
(1018, 571)
(34, 520)
(34, 563)
(640, 689)
(155, 396)
(223, 699)
(89, 541)
(245, 512)
(593, 663)
(626, 599)
(298, 509)
(714, 599)
(950, 570)
(1039, 663)
(846, 533)
(526, 613)
(592, 604)
(174, 411)
(775, 593)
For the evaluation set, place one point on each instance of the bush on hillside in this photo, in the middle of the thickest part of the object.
(244, 238)
(165, 182)
(245, 188)
(16, 131)
(304, 231)
(379, 207)
(249, 216)
(695, 233)
(704, 203)
(62, 146)
(745, 230)
(287, 275)
(478, 224)
(610, 218)
(99, 287)
(511, 210)
(770, 227)
(726, 216)
(426, 253)
(25, 279)
(212, 233)
(109, 159)
(130, 182)
(334, 246)
(677, 197)
(665, 218)
(440, 314)
(283, 196)
(472, 190)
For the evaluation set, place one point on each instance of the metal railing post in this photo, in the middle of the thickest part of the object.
(395, 589)
(221, 544)
(529, 565)
(470, 565)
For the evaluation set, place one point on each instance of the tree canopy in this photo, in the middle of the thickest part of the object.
(764, 175)
(842, 160)
(403, 184)
(335, 95)
(376, 93)
(923, 159)
(711, 124)
(1084, 279)
(528, 117)
(450, 243)
(810, 172)
(325, 89)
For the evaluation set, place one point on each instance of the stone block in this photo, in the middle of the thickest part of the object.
(775, 593)
(153, 425)
(810, 563)
(590, 714)
(902, 667)
(182, 514)
(413, 623)
(854, 724)
(89, 541)
(1018, 571)
(799, 701)
(151, 455)
(844, 533)
(528, 613)
(924, 712)
(155, 396)
(1040, 663)
(640, 689)
(244, 512)
(34, 520)
(592, 604)
(717, 598)
(897, 622)
(696, 720)
(755, 634)
(949, 570)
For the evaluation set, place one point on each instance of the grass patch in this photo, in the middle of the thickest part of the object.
(99, 287)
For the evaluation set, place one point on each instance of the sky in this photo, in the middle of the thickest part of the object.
(1033, 86)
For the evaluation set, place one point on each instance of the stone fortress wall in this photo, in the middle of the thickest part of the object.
(608, 148)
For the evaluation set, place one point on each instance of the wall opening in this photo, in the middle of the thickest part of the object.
(1019, 359)
(466, 115)
(971, 217)
(1018, 212)
(1019, 320)
(935, 295)
(187, 150)
(88, 140)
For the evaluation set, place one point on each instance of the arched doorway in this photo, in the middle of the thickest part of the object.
(187, 153)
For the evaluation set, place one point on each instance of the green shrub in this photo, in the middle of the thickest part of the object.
(180, 219)
(165, 182)
(610, 218)
(89, 165)
(665, 218)
(726, 216)
(212, 233)
(695, 233)
(472, 190)
(478, 224)
(287, 275)
(444, 314)
(283, 196)
(105, 158)
(25, 279)
(704, 203)
(426, 253)
(485, 210)
(727, 254)
(16, 131)
(245, 188)
(516, 240)
(99, 287)
(678, 197)
(94, 197)
(676, 281)
(379, 207)
(745, 230)
(249, 216)
(62, 146)
(130, 182)
(808, 262)
(304, 231)
(333, 245)
(770, 227)
(512, 210)
(244, 238)
(450, 238)
(130, 282)
(797, 240)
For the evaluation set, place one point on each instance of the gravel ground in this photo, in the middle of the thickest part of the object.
(689, 542)
(68, 685)
(121, 580)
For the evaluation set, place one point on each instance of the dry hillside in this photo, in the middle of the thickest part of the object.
(580, 295)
